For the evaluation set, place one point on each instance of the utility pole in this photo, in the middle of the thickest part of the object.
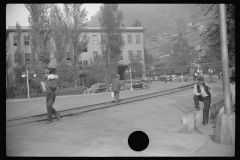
(225, 64)
(225, 125)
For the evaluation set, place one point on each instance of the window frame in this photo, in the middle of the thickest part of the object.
(85, 65)
(138, 37)
(95, 55)
(27, 56)
(14, 40)
(69, 58)
(15, 56)
(94, 40)
(80, 65)
(85, 49)
(130, 53)
(129, 39)
(26, 39)
(140, 53)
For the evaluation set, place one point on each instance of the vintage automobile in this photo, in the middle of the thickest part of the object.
(98, 87)
(137, 84)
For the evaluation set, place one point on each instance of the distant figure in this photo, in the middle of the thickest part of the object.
(116, 84)
(195, 76)
(150, 80)
(202, 92)
(232, 91)
(165, 78)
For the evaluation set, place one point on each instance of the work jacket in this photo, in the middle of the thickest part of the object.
(116, 84)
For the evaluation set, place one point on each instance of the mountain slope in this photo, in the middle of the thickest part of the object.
(155, 18)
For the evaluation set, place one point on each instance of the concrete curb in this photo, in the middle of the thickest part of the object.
(195, 119)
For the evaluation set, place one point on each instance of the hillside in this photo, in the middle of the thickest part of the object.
(155, 18)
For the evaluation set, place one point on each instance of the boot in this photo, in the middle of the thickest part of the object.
(48, 122)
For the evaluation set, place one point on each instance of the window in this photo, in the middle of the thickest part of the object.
(69, 55)
(130, 54)
(94, 40)
(139, 53)
(85, 64)
(26, 40)
(27, 57)
(138, 39)
(95, 54)
(15, 40)
(80, 67)
(120, 57)
(129, 39)
(85, 50)
(15, 57)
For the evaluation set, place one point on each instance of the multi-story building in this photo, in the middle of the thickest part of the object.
(133, 37)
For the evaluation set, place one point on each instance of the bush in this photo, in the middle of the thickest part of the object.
(10, 91)
(89, 81)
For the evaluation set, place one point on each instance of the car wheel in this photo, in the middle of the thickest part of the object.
(107, 90)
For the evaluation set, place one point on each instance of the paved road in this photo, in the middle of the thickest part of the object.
(105, 132)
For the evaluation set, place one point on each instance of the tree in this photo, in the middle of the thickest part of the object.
(98, 69)
(136, 64)
(40, 34)
(149, 59)
(59, 33)
(20, 67)
(75, 19)
(211, 37)
(112, 41)
(137, 23)
(64, 72)
(19, 50)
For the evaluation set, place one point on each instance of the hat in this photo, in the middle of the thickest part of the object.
(46, 71)
(200, 78)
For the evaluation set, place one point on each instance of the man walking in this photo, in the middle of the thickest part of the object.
(202, 92)
(116, 84)
(50, 87)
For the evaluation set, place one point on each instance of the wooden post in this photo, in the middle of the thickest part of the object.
(225, 125)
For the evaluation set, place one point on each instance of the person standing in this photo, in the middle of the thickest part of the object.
(165, 78)
(195, 77)
(50, 88)
(116, 84)
(232, 91)
(202, 92)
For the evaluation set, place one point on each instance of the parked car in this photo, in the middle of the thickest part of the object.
(138, 84)
(98, 87)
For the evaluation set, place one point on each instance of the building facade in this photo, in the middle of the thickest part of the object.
(133, 37)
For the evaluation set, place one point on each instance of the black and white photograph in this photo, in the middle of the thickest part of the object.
(120, 80)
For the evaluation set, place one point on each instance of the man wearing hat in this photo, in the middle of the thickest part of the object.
(203, 92)
(49, 87)
(116, 84)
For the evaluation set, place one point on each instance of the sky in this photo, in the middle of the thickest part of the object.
(19, 13)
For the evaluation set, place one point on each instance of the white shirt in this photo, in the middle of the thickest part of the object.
(203, 93)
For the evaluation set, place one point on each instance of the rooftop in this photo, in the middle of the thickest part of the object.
(12, 28)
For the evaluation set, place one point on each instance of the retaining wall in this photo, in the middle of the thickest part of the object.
(195, 119)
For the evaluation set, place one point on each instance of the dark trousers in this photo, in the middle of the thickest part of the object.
(116, 96)
(206, 101)
(50, 99)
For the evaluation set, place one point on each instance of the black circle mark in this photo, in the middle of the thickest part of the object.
(138, 141)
